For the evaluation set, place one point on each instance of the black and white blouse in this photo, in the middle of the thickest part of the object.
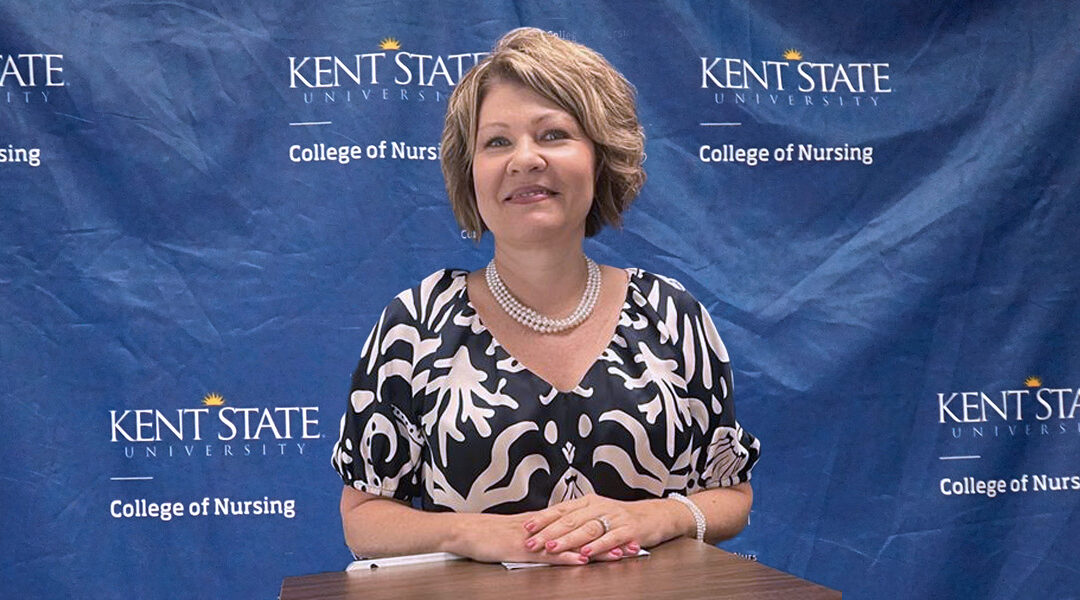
(441, 411)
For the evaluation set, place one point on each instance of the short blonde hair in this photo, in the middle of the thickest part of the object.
(581, 82)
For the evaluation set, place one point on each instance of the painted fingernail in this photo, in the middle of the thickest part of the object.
(585, 551)
(529, 526)
(550, 545)
(616, 551)
(582, 559)
(530, 544)
(633, 548)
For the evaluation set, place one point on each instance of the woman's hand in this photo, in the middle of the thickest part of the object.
(501, 538)
(576, 525)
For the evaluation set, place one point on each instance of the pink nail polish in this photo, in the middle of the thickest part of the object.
(616, 551)
(530, 544)
(550, 545)
(585, 551)
(633, 548)
(583, 559)
(529, 526)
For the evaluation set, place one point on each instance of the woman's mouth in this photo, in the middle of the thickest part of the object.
(532, 193)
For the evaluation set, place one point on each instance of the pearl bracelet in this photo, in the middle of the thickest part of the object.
(699, 517)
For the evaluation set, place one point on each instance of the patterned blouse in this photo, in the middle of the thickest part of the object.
(439, 410)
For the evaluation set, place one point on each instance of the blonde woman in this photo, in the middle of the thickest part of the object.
(543, 408)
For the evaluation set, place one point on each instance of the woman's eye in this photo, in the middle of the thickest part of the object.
(496, 142)
(554, 134)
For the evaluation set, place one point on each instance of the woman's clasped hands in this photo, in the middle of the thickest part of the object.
(598, 528)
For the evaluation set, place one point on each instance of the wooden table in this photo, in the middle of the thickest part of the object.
(682, 568)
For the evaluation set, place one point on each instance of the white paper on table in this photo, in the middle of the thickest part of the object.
(399, 561)
(510, 566)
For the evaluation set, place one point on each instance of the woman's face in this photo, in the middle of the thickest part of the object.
(533, 166)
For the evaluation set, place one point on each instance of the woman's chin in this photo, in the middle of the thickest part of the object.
(540, 230)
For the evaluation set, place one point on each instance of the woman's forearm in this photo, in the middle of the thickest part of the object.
(726, 511)
(376, 527)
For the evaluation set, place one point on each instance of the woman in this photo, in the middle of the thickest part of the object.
(527, 437)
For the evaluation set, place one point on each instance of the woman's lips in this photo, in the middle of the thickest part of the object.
(532, 193)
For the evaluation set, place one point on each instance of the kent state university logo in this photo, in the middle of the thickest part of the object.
(795, 81)
(392, 73)
(214, 430)
(1029, 411)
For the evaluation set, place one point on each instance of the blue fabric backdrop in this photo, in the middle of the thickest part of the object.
(897, 284)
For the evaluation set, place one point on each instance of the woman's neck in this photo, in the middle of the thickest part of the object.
(548, 279)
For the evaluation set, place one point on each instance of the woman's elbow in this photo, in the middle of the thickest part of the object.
(352, 520)
(735, 505)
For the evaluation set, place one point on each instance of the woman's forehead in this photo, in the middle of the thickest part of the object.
(511, 102)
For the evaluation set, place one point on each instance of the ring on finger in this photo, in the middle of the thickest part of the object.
(602, 519)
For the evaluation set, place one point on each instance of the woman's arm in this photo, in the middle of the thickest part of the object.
(376, 526)
(576, 525)
(726, 510)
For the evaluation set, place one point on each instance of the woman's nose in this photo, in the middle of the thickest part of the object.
(526, 157)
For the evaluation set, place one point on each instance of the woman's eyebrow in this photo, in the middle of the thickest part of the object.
(547, 116)
(492, 125)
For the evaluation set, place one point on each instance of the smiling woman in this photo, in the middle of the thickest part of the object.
(544, 408)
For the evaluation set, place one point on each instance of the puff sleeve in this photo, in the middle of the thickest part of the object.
(724, 452)
(380, 445)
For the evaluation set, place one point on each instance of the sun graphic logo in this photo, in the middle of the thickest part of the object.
(1033, 382)
(213, 399)
(389, 44)
(792, 54)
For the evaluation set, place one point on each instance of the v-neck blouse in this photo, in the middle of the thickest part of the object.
(595, 359)
(440, 411)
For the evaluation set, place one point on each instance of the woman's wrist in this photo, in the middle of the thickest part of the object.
(673, 519)
(695, 512)
(458, 529)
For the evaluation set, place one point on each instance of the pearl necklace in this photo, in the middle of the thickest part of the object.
(536, 321)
